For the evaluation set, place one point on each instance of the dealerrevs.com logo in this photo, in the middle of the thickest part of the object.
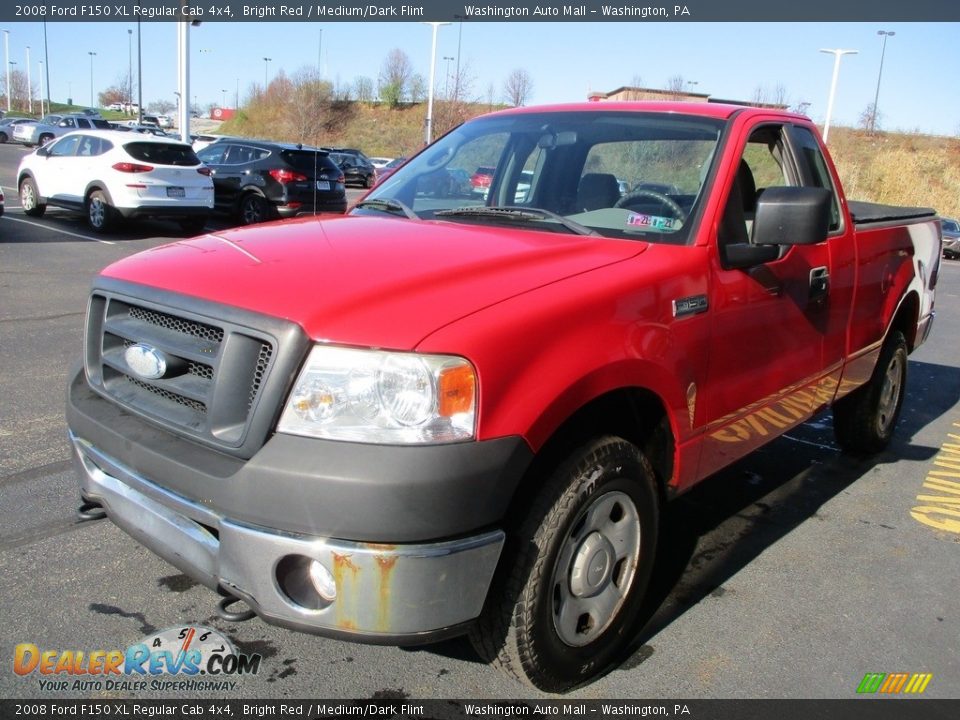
(187, 658)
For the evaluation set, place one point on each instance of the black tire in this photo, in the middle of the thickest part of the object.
(194, 225)
(30, 198)
(368, 181)
(3, 137)
(253, 209)
(44, 139)
(864, 421)
(574, 573)
(101, 215)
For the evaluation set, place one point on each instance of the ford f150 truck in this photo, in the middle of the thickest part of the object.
(451, 413)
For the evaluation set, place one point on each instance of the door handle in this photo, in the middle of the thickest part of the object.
(819, 284)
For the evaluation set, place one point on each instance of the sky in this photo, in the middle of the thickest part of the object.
(566, 61)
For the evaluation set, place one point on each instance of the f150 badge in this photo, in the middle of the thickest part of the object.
(145, 361)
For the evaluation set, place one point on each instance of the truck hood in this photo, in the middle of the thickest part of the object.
(368, 281)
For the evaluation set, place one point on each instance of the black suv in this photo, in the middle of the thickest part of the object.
(356, 166)
(257, 180)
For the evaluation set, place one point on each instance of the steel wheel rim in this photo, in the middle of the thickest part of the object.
(97, 212)
(595, 568)
(890, 394)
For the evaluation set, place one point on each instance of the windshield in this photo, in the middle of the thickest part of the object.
(950, 225)
(618, 174)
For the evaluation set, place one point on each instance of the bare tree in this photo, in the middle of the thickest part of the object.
(417, 88)
(363, 89)
(675, 85)
(18, 90)
(518, 87)
(395, 76)
(636, 81)
(309, 106)
(759, 96)
(870, 118)
(801, 107)
(162, 107)
(780, 94)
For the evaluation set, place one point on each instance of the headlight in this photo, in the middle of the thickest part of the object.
(382, 397)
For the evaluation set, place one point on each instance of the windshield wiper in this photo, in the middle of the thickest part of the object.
(388, 205)
(511, 213)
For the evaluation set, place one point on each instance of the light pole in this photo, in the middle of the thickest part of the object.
(92, 55)
(130, 66)
(876, 97)
(223, 98)
(446, 75)
(29, 83)
(40, 63)
(266, 64)
(46, 67)
(837, 54)
(433, 72)
(6, 63)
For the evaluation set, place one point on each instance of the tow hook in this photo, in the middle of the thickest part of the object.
(233, 615)
(90, 510)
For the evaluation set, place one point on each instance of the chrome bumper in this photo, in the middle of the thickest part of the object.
(384, 593)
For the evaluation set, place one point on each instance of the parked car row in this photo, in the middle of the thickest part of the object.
(115, 174)
(951, 238)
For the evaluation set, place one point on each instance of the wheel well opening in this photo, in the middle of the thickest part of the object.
(906, 319)
(634, 414)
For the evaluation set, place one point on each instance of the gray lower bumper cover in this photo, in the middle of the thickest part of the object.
(384, 593)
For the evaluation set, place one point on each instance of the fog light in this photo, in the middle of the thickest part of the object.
(323, 581)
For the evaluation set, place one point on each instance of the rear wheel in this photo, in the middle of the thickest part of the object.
(253, 209)
(30, 199)
(45, 138)
(864, 420)
(101, 215)
(575, 572)
(368, 181)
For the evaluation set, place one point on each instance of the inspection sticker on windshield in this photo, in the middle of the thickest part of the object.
(653, 222)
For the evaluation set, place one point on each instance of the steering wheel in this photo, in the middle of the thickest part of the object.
(665, 200)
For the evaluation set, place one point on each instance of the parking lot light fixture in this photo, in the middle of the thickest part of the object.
(6, 62)
(92, 55)
(433, 73)
(876, 96)
(266, 64)
(837, 54)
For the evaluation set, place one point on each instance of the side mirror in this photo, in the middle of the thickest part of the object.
(792, 216)
(740, 256)
(42, 152)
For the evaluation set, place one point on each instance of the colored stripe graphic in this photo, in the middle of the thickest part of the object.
(894, 683)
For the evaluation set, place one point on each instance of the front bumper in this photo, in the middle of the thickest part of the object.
(385, 593)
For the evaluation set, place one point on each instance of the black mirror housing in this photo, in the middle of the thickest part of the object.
(792, 216)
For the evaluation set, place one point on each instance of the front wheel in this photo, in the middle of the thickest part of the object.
(863, 421)
(30, 199)
(575, 572)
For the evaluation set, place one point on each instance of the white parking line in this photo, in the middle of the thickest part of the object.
(57, 230)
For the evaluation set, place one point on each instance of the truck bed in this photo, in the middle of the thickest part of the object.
(868, 212)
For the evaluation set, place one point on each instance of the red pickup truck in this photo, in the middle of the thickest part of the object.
(451, 413)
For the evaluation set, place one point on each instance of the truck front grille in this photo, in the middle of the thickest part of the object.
(215, 374)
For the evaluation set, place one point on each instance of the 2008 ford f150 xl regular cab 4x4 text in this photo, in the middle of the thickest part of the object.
(449, 412)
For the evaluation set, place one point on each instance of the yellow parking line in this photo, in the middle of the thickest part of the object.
(942, 511)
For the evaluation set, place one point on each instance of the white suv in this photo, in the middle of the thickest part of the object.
(108, 174)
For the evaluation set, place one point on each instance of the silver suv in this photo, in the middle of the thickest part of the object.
(53, 126)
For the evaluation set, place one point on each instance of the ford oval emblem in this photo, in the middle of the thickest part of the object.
(145, 361)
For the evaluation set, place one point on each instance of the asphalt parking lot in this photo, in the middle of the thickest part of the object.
(790, 575)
